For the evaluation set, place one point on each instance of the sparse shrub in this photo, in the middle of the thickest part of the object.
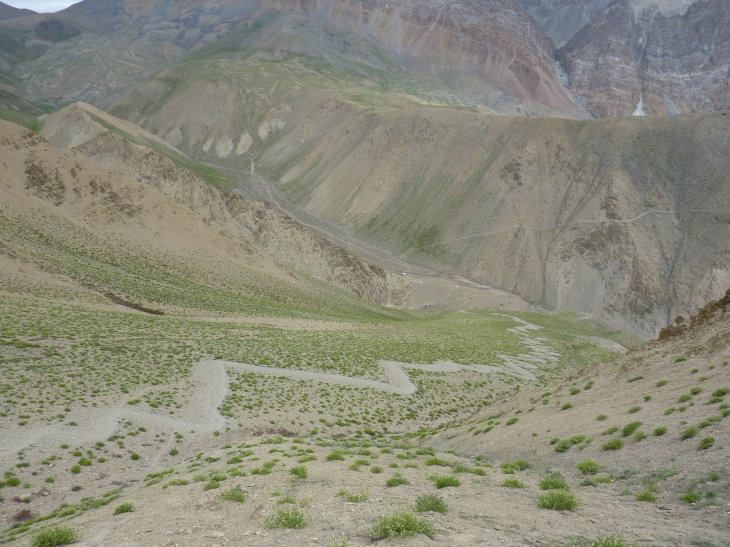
(58, 535)
(661, 383)
(566, 406)
(635, 379)
(431, 502)
(559, 500)
(126, 507)
(402, 524)
(707, 442)
(443, 481)
(554, 482)
(628, 429)
(512, 483)
(588, 467)
(299, 471)
(646, 495)
(335, 455)
(612, 444)
(563, 445)
(352, 498)
(287, 518)
(376, 469)
(511, 421)
(235, 493)
(639, 436)
(437, 461)
(633, 409)
(601, 417)
(690, 432)
(396, 480)
(659, 431)
(610, 431)
(76, 469)
(691, 497)
(135, 456)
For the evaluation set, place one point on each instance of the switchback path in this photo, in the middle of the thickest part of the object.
(209, 376)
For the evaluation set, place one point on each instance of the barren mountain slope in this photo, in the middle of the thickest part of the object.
(624, 219)
(48, 187)
(619, 218)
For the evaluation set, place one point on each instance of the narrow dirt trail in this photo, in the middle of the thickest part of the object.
(209, 376)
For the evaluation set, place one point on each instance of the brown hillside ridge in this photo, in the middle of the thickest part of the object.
(710, 312)
(127, 205)
(255, 222)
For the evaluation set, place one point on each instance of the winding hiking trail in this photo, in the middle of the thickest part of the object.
(209, 376)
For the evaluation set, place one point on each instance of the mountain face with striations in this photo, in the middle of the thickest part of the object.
(557, 57)
(632, 58)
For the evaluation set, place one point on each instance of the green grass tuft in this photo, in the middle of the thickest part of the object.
(287, 518)
(402, 524)
(443, 481)
(126, 507)
(235, 493)
(588, 467)
(559, 500)
(431, 502)
(58, 535)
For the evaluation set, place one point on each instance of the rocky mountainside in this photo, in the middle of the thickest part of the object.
(673, 57)
(490, 51)
(627, 60)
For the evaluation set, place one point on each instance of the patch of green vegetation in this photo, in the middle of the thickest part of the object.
(559, 500)
(287, 518)
(353, 498)
(431, 502)
(612, 444)
(235, 493)
(588, 467)
(126, 507)
(444, 481)
(402, 524)
(57, 535)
